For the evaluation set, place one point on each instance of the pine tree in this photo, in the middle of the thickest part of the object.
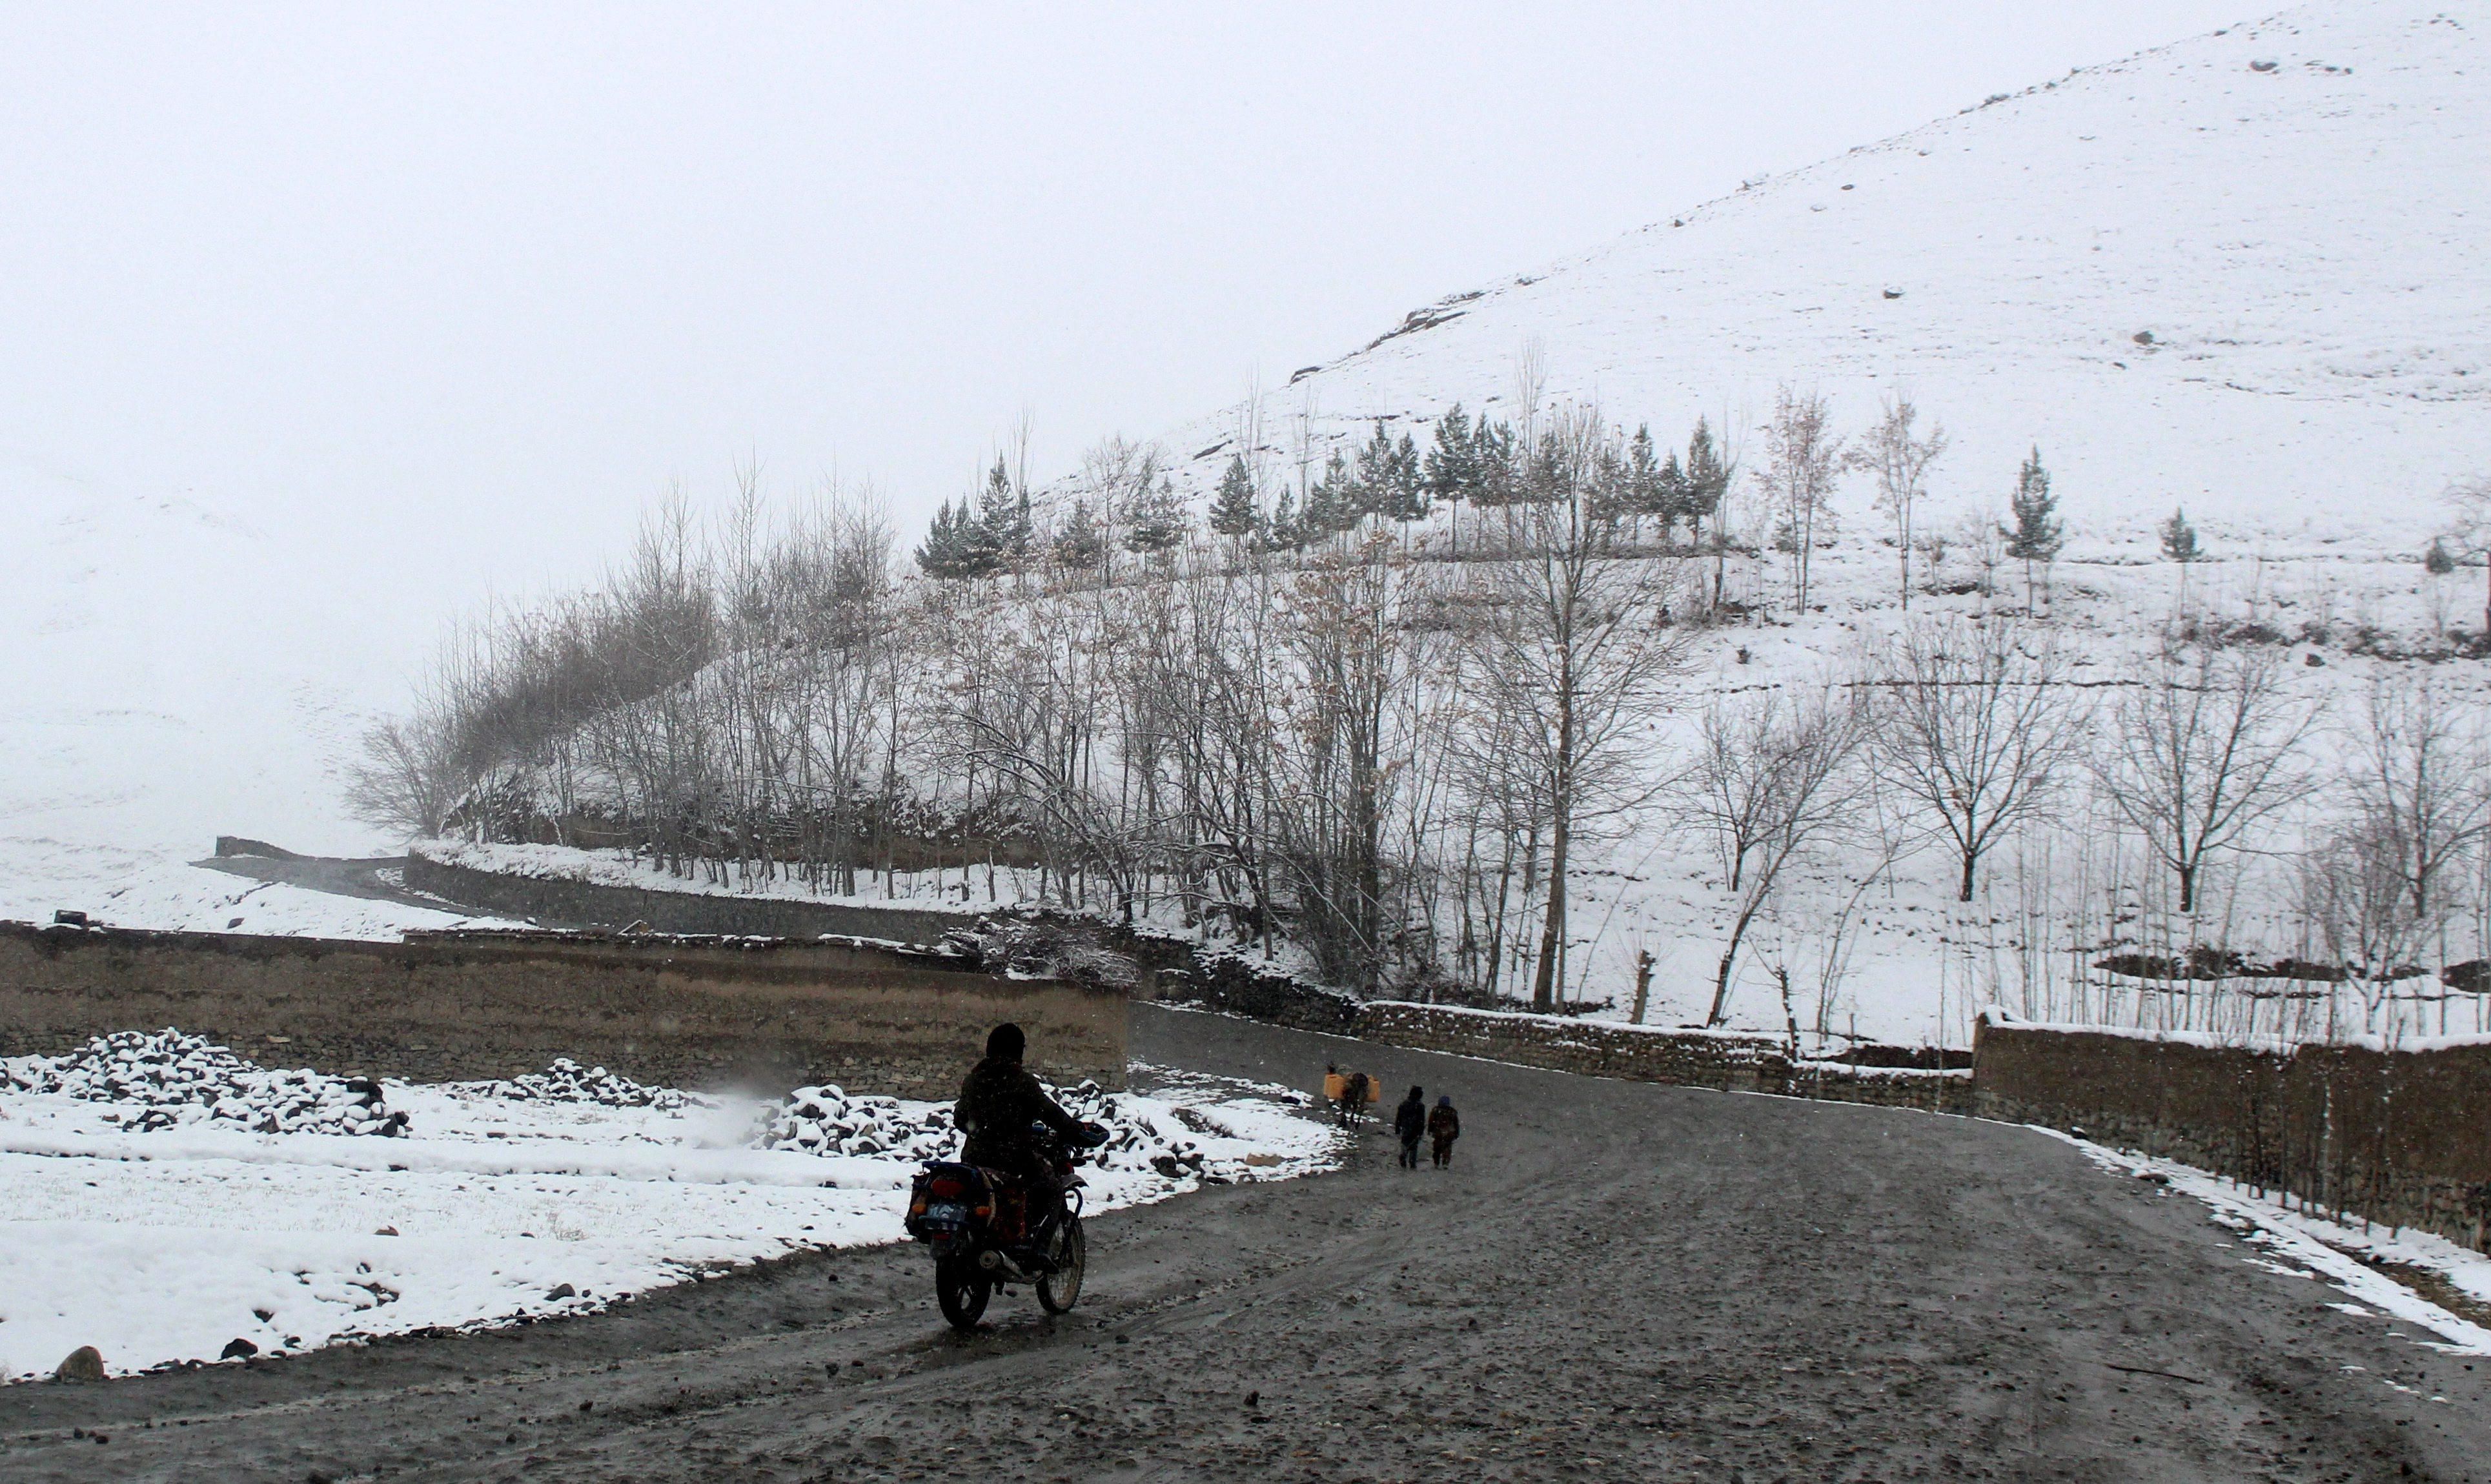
(1159, 521)
(2179, 545)
(1332, 504)
(2180, 538)
(2037, 534)
(1496, 476)
(1708, 482)
(1452, 464)
(951, 550)
(1642, 495)
(2436, 561)
(1673, 498)
(1003, 520)
(1232, 510)
(1284, 533)
(1408, 501)
(1080, 545)
(1370, 492)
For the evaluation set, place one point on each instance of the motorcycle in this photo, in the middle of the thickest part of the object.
(984, 1236)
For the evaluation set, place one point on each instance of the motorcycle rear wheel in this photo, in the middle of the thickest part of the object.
(1059, 1291)
(962, 1290)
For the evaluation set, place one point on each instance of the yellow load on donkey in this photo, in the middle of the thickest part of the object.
(1350, 1094)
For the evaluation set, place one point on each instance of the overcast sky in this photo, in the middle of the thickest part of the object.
(448, 294)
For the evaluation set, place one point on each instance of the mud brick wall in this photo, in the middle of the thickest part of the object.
(1746, 1064)
(687, 1012)
(560, 903)
(2400, 1137)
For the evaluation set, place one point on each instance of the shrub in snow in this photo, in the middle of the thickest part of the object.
(566, 1081)
(178, 1080)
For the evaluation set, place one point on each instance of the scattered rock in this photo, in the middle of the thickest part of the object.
(561, 1291)
(385, 1232)
(2143, 337)
(84, 1363)
(238, 1349)
(1892, 293)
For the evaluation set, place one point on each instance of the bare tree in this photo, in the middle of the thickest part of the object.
(2469, 531)
(1900, 459)
(1771, 780)
(2204, 753)
(1974, 727)
(2352, 890)
(1804, 456)
(405, 782)
(2414, 778)
(1572, 659)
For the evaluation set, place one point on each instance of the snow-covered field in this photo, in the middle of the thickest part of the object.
(495, 1202)
(159, 890)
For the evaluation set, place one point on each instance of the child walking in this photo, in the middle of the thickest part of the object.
(1444, 1125)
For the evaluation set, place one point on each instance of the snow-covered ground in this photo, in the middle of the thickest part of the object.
(167, 1246)
(157, 888)
(2347, 1256)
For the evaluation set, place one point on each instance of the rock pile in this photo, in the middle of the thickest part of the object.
(566, 1081)
(827, 1120)
(176, 1080)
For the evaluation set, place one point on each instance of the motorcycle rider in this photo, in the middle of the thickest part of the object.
(998, 1103)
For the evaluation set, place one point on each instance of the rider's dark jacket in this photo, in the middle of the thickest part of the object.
(998, 1102)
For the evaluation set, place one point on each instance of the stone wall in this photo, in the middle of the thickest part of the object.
(2401, 1137)
(683, 1011)
(559, 903)
(1700, 1059)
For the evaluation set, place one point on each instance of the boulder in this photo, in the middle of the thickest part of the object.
(85, 1363)
(238, 1349)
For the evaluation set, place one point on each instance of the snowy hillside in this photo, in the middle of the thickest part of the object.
(171, 675)
(2246, 272)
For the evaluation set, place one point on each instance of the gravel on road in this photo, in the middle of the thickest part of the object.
(1614, 1281)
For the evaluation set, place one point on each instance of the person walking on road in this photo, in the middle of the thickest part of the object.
(1409, 1121)
(1444, 1125)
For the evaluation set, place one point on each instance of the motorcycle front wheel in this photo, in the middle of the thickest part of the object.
(962, 1290)
(1061, 1288)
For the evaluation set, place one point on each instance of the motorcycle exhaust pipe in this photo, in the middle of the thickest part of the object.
(1000, 1267)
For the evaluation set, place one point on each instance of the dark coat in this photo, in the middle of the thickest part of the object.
(1409, 1120)
(1445, 1123)
(998, 1102)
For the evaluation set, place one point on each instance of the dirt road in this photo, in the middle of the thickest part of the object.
(1615, 1281)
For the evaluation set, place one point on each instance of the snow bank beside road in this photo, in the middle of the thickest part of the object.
(2350, 1258)
(163, 1248)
